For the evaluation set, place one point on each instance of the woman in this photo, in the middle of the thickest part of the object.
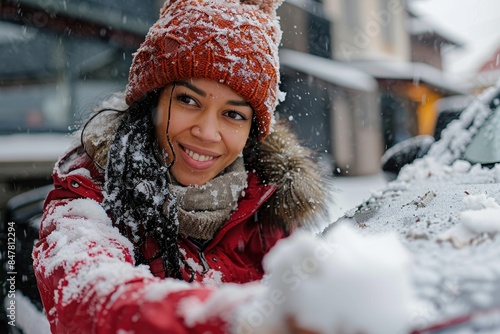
(181, 189)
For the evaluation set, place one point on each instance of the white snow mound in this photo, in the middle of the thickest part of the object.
(345, 283)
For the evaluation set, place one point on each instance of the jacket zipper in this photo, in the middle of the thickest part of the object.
(206, 266)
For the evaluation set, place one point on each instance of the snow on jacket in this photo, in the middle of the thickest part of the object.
(85, 268)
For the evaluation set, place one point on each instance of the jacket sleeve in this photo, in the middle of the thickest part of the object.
(89, 283)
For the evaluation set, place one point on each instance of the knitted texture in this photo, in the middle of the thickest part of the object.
(229, 41)
(203, 209)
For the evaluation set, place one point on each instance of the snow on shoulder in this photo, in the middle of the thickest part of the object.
(346, 281)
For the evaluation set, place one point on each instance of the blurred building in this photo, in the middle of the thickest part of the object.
(332, 103)
(372, 70)
(387, 40)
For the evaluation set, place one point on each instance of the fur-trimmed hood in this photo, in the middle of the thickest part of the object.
(303, 194)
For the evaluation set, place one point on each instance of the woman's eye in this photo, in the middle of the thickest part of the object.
(235, 115)
(187, 99)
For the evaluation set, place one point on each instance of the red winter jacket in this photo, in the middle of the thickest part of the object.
(88, 281)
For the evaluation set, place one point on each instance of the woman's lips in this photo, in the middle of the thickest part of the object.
(198, 157)
(198, 160)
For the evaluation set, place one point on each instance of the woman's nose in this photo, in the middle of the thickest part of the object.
(207, 129)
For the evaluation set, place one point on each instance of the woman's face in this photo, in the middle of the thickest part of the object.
(209, 127)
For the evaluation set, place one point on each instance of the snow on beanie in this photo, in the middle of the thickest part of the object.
(230, 41)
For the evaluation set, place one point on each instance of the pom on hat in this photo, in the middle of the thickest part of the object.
(229, 41)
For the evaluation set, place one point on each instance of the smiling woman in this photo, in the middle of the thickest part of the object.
(184, 179)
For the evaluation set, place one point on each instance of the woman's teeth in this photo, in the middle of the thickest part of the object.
(197, 157)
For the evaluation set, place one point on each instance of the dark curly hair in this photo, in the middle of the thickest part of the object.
(136, 184)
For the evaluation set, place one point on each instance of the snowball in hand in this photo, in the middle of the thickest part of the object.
(345, 283)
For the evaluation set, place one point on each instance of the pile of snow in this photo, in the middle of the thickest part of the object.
(346, 283)
(428, 168)
(482, 217)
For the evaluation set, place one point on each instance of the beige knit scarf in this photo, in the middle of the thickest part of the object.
(203, 209)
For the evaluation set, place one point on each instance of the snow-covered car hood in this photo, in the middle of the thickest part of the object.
(446, 214)
(449, 222)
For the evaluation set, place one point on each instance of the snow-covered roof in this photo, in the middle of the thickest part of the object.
(419, 26)
(329, 70)
(416, 72)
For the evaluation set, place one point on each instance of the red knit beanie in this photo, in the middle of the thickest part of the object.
(229, 41)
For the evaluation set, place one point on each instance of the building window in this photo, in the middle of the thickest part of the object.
(319, 36)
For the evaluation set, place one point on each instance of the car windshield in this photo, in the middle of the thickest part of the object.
(484, 148)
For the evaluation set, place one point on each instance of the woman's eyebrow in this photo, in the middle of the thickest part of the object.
(242, 103)
(202, 93)
(192, 87)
